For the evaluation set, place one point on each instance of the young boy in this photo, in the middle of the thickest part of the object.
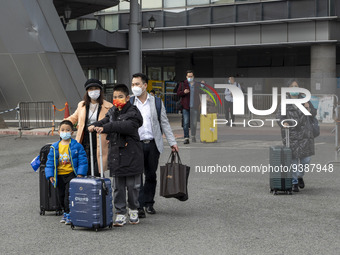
(125, 159)
(66, 160)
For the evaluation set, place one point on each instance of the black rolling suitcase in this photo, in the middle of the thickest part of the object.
(280, 174)
(48, 194)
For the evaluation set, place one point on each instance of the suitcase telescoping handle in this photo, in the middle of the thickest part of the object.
(100, 155)
(91, 154)
(287, 137)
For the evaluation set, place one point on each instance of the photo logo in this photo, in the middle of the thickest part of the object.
(239, 101)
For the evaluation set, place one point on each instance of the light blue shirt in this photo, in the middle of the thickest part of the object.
(228, 95)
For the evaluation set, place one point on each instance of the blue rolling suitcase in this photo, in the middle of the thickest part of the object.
(280, 176)
(91, 199)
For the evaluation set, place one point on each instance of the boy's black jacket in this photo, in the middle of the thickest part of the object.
(125, 149)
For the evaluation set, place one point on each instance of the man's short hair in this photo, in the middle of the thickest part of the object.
(189, 71)
(66, 122)
(144, 78)
(122, 88)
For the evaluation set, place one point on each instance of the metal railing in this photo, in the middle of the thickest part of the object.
(35, 115)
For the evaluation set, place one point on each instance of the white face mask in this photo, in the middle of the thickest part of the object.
(94, 94)
(137, 91)
(190, 79)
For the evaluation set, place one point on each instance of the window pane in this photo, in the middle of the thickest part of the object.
(157, 15)
(223, 14)
(251, 12)
(148, 4)
(302, 8)
(322, 8)
(198, 16)
(87, 24)
(72, 25)
(222, 1)
(197, 2)
(110, 22)
(276, 10)
(175, 17)
(124, 6)
(155, 73)
(111, 9)
(124, 21)
(174, 3)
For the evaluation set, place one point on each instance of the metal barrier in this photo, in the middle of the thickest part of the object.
(35, 115)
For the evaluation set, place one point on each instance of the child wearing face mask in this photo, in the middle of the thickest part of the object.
(66, 160)
(125, 154)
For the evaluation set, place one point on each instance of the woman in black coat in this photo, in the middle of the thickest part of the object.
(301, 138)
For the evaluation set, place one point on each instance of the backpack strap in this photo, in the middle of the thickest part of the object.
(158, 103)
(132, 100)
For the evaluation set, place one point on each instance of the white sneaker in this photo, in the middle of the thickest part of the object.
(133, 214)
(120, 220)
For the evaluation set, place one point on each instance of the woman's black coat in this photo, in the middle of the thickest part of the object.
(301, 137)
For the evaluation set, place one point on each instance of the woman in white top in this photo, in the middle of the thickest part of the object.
(92, 109)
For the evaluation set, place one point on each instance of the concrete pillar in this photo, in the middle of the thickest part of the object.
(135, 59)
(323, 69)
(123, 75)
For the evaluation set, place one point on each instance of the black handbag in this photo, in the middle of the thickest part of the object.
(174, 178)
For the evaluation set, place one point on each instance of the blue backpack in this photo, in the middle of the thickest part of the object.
(158, 103)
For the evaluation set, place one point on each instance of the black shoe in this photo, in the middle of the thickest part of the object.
(295, 188)
(301, 183)
(141, 213)
(186, 141)
(150, 210)
(193, 139)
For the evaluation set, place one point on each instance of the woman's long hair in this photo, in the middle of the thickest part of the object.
(87, 99)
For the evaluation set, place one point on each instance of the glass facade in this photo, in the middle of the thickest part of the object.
(170, 13)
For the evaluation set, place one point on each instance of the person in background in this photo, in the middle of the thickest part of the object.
(228, 104)
(189, 91)
(91, 109)
(301, 138)
(152, 92)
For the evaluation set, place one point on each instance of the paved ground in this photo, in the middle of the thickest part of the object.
(227, 213)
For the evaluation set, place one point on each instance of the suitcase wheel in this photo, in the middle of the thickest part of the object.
(110, 226)
(58, 213)
(275, 192)
(42, 212)
(72, 226)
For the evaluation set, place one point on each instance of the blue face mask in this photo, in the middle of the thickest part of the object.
(65, 135)
(190, 79)
(294, 94)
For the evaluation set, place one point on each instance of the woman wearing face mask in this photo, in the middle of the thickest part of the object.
(301, 137)
(93, 108)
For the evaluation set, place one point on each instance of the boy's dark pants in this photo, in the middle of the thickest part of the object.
(63, 185)
(120, 184)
